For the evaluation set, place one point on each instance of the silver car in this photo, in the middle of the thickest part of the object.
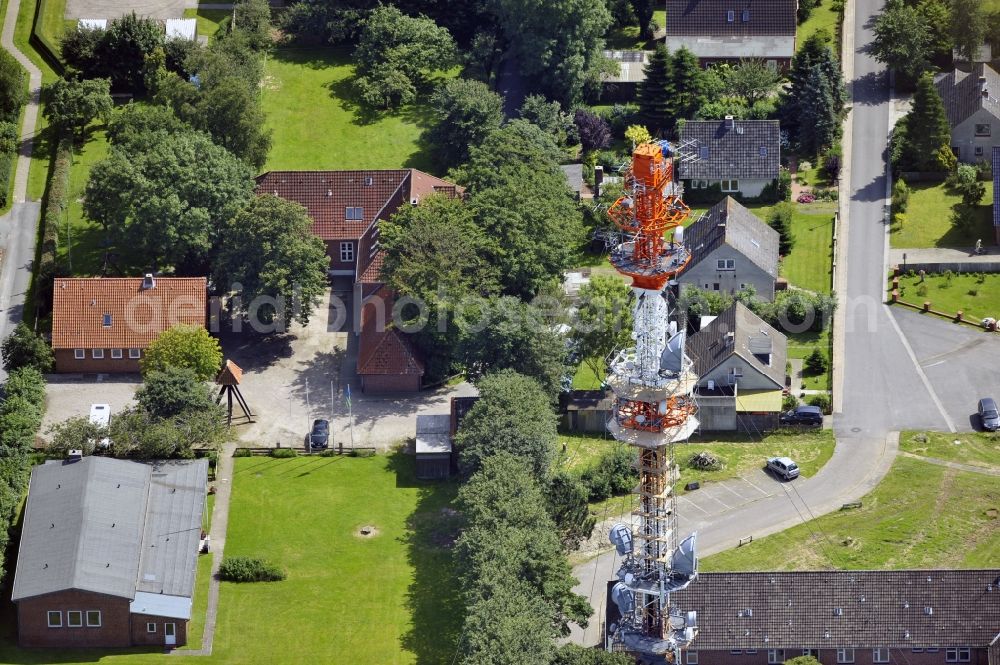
(783, 467)
(988, 414)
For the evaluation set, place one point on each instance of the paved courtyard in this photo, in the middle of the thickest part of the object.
(108, 9)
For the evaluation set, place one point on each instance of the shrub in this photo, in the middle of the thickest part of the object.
(361, 452)
(789, 402)
(900, 196)
(249, 569)
(56, 204)
(283, 453)
(613, 474)
(242, 452)
(816, 363)
(922, 290)
(822, 401)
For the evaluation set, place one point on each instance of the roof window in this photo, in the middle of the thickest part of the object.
(354, 214)
(106, 321)
(730, 16)
(745, 16)
(763, 151)
(703, 152)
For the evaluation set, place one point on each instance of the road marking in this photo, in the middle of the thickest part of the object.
(735, 493)
(747, 481)
(920, 371)
(940, 362)
(689, 501)
(718, 500)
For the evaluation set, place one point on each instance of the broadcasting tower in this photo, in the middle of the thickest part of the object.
(653, 384)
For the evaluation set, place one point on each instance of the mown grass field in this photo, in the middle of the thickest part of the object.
(920, 516)
(81, 241)
(823, 17)
(801, 345)
(208, 20)
(927, 220)
(390, 598)
(977, 295)
(318, 123)
(975, 448)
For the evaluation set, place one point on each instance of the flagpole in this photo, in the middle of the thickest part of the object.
(350, 415)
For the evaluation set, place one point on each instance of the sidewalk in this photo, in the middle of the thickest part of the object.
(943, 255)
(30, 110)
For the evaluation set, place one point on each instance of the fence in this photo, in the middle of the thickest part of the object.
(357, 451)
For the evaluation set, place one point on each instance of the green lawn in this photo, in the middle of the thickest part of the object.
(586, 379)
(81, 242)
(948, 294)
(822, 17)
(390, 598)
(920, 516)
(975, 448)
(313, 111)
(583, 450)
(208, 20)
(810, 263)
(928, 214)
(801, 345)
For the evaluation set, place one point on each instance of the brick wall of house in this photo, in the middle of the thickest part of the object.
(66, 362)
(33, 629)
(333, 251)
(830, 657)
(142, 637)
(390, 383)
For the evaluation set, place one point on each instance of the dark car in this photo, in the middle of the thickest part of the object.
(806, 415)
(988, 414)
(319, 437)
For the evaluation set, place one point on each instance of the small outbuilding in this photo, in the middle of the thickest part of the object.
(92, 24)
(182, 28)
(433, 448)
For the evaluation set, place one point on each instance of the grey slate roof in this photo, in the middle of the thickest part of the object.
(996, 185)
(92, 525)
(962, 94)
(708, 348)
(711, 18)
(750, 149)
(792, 610)
(729, 222)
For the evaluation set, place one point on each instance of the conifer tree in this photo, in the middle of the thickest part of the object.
(656, 92)
(688, 85)
(925, 135)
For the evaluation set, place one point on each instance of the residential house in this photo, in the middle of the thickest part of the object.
(742, 157)
(740, 363)
(972, 104)
(731, 249)
(843, 617)
(996, 194)
(346, 208)
(730, 31)
(105, 324)
(108, 553)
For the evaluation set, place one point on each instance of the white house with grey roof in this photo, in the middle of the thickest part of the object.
(741, 156)
(108, 552)
(972, 104)
(731, 249)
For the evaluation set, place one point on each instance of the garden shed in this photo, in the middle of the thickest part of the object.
(433, 448)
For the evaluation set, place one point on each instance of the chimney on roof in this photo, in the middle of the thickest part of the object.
(368, 181)
(730, 122)
(74, 455)
(982, 87)
(329, 192)
(148, 281)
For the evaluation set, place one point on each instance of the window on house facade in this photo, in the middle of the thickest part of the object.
(79, 354)
(979, 151)
(97, 354)
(94, 618)
(726, 264)
(116, 354)
(692, 657)
(957, 654)
(745, 16)
(55, 619)
(775, 656)
(772, 65)
(347, 252)
(811, 652)
(736, 652)
(880, 655)
(150, 627)
(750, 652)
(932, 649)
(715, 286)
(74, 619)
(983, 129)
(134, 353)
(845, 655)
(917, 650)
(730, 185)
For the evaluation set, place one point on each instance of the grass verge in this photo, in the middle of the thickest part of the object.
(209, 20)
(974, 448)
(920, 516)
(976, 294)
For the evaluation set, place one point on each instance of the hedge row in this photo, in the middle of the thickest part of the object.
(20, 417)
(7, 162)
(56, 205)
(47, 45)
(249, 569)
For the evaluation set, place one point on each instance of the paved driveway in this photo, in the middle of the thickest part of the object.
(109, 9)
(69, 395)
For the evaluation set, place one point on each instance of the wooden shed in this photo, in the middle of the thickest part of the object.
(433, 449)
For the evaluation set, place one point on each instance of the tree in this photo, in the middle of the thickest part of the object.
(135, 433)
(637, 134)
(816, 362)
(503, 627)
(556, 45)
(567, 503)
(511, 334)
(71, 105)
(76, 433)
(183, 346)
(133, 122)
(900, 196)
(13, 87)
(968, 27)
(921, 140)
(167, 196)
(574, 654)
(121, 54)
(815, 70)
(172, 391)
(279, 265)
(780, 219)
(604, 320)
(644, 13)
(549, 116)
(819, 123)
(466, 112)
(394, 53)
(965, 181)
(25, 348)
(656, 90)
(802, 660)
(512, 415)
(232, 114)
(251, 19)
(689, 84)
(752, 80)
(902, 40)
(595, 134)
(937, 17)
(81, 50)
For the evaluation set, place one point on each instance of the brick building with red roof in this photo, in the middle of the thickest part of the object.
(105, 324)
(346, 208)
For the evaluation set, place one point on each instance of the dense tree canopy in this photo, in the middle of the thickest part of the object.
(813, 107)
(23, 347)
(279, 265)
(13, 87)
(550, 117)
(465, 112)
(752, 80)
(173, 390)
(71, 105)
(902, 39)
(603, 320)
(968, 27)
(183, 347)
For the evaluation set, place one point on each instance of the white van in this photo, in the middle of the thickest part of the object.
(100, 414)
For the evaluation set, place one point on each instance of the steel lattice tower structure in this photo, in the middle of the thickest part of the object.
(653, 384)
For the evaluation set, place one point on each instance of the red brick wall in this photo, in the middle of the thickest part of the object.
(66, 362)
(142, 637)
(829, 657)
(32, 620)
(333, 251)
(390, 383)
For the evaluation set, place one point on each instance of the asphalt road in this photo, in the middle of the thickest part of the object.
(17, 232)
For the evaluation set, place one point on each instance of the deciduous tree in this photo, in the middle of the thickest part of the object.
(567, 503)
(71, 105)
(169, 392)
(902, 40)
(752, 80)
(603, 320)
(13, 87)
(466, 111)
(185, 347)
(968, 27)
(549, 116)
(595, 133)
(25, 348)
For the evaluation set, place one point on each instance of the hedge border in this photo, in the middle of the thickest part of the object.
(48, 51)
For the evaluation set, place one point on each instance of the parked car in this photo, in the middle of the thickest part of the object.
(806, 414)
(783, 467)
(988, 414)
(319, 437)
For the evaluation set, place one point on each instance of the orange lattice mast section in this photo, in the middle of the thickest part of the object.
(653, 383)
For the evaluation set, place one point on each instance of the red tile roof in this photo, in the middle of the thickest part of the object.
(328, 194)
(385, 351)
(137, 315)
(230, 375)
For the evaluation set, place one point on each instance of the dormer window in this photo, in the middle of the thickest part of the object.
(106, 321)
(354, 214)
(703, 152)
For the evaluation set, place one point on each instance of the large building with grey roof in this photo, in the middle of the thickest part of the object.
(731, 249)
(108, 552)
